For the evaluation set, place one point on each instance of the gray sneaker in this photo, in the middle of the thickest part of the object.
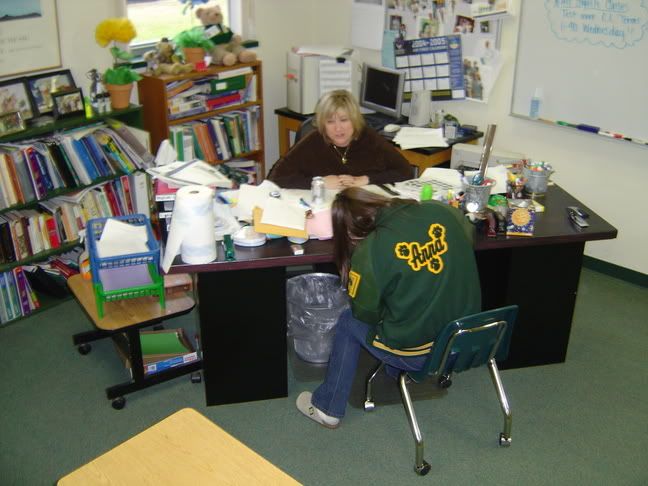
(305, 406)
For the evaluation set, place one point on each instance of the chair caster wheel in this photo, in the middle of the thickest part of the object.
(119, 403)
(84, 348)
(445, 382)
(369, 405)
(504, 441)
(196, 377)
(423, 469)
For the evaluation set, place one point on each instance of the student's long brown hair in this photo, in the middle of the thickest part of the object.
(354, 214)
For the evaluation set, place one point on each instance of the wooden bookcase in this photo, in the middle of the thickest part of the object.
(153, 97)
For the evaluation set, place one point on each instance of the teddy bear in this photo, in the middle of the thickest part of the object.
(227, 48)
(163, 60)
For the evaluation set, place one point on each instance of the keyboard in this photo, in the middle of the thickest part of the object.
(377, 121)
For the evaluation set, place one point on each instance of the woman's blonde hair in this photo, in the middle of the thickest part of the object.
(329, 104)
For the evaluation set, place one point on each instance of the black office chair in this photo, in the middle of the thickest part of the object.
(304, 129)
(468, 342)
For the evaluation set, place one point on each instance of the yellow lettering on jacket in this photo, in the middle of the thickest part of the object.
(427, 255)
(354, 282)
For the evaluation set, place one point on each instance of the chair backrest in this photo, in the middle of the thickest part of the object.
(469, 342)
(304, 129)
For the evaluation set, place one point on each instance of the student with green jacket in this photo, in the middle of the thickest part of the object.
(409, 269)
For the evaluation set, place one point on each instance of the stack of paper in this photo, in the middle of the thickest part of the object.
(414, 137)
(194, 172)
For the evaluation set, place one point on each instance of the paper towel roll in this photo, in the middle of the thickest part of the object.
(192, 227)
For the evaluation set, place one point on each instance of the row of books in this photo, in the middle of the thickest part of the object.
(17, 298)
(35, 170)
(218, 138)
(28, 232)
(192, 96)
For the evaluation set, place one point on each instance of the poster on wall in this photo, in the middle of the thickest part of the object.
(28, 36)
(433, 64)
(471, 19)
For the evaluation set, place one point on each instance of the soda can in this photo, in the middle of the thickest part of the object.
(317, 190)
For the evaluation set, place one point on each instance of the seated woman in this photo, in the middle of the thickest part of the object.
(410, 269)
(343, 150)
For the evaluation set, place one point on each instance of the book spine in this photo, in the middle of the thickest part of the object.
(52, 231)
(6, 309)
(21, 290)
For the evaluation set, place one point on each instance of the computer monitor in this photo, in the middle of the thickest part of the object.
(382, 90)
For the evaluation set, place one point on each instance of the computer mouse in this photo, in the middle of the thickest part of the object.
(391, 127)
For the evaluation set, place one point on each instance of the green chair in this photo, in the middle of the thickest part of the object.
(468, 342)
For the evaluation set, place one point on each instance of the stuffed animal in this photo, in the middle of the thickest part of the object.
(163, 60)
(228, 49)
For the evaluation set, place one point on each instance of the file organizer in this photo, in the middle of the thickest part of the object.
(124, 276)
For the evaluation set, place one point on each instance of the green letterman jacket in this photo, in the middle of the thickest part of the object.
(412, 275)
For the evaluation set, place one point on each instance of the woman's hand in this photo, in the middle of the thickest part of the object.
(333, 182)
(351, 181)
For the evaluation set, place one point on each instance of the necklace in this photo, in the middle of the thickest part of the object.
(343, 156)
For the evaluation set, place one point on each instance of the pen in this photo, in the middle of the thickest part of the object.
(301, 200)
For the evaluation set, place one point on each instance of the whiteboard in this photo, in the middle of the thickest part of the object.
(589, 58)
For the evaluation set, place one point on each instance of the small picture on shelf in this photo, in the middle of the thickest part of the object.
(68, 103)
(43, 86)
(11, 122)
(14, 97)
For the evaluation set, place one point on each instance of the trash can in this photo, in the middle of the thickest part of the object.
(315, 301)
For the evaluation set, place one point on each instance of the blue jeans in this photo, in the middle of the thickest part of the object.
(350, 335)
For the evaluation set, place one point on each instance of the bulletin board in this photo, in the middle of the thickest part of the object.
(590, 60)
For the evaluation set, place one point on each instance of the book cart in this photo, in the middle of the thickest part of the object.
(125, 295)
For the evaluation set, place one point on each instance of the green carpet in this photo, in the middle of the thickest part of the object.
(581, 422)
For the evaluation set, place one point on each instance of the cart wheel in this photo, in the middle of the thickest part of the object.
(369, 405)
(445, 381)
(196, 377)
(119, 403)
(84, 348)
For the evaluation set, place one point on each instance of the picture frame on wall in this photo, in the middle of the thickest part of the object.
(68, 103)
(29, 36)
(42, 87)
(11, 122)
(14, 96)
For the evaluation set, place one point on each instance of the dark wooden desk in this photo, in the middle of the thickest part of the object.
(289, 121)
(242, 304)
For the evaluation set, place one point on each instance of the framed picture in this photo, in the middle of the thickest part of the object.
(29, 35)
(11, 122)
(68, 103)
(43, 86)
(14, 97)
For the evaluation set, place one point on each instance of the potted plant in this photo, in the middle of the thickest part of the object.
(119, 79)
(193, 43)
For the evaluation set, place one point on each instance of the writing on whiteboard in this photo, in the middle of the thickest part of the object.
(608, 23)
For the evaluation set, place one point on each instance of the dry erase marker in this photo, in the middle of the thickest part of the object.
(587, 128)
(606, 134)
(566, 124)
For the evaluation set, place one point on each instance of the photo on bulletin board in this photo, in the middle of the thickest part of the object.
(14, 97)
(29, 36)
(43, 86)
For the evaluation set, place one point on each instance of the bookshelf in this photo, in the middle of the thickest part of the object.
(34, 224)
(156, 96)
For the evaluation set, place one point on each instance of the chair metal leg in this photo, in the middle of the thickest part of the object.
(369, 404)
(421, 466)
(505, 436)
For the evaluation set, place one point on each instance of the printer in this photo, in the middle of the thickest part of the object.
(468, 155)
(309, 75)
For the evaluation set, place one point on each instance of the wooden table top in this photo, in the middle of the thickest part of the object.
(127, 312)
(183, 449)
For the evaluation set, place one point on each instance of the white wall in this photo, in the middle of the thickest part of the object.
(609, 176)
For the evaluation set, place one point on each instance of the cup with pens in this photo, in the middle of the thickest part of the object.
(537, 176)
